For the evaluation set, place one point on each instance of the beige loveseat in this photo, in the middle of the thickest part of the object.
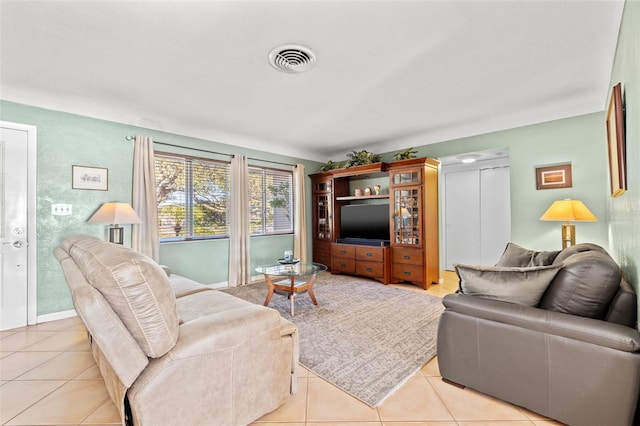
(173, 351)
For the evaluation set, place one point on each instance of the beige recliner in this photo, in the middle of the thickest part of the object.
(172, 351)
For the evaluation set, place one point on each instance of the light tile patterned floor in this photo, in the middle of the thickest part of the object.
(48, 377)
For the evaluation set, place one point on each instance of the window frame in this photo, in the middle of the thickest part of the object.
(264, 201)
(189, 197)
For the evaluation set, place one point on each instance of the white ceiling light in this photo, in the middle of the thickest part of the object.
(469, 158)
(292, 58)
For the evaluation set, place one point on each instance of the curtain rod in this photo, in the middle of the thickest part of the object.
(130, 138)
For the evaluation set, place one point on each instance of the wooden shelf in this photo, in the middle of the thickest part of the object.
(362, 197)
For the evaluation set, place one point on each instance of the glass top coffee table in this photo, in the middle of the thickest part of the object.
(300, 279)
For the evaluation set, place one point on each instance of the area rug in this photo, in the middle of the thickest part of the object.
(366, 338)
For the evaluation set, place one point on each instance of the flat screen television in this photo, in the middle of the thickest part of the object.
(364, 221)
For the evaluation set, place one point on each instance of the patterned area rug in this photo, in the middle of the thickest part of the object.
(366, 338)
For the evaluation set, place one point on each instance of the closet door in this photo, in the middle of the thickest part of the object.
(495, 214)
(462, 217)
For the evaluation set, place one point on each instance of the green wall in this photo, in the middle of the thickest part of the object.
(67, 139)
(624, 211)
(579, 141)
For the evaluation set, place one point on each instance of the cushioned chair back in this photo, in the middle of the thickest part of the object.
(624, 307)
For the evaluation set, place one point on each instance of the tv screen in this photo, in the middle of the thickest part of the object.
(368, 221)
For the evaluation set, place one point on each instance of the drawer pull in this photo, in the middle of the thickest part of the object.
(344, 265)
(343, 251)
(407, 256)
(369, 254)
(407, 273)
(369, 269)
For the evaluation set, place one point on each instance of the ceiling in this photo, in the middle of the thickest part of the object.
(388, 75)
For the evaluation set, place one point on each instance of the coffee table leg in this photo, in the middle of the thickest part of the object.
(312, 280)
(292, 296)
(271, 289)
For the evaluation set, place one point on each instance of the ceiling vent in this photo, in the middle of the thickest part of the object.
(292, 58)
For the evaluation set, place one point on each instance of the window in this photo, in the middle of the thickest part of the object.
(271, 201)
(192, 195)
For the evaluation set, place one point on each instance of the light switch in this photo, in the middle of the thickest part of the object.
(61, 209)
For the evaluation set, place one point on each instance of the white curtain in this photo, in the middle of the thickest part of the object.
(299, 215)
(239, 273)
(144, 237)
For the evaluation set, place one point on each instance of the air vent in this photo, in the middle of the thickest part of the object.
(292, 58)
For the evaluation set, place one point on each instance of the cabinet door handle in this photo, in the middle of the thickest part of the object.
(407, 256)
(369, 254)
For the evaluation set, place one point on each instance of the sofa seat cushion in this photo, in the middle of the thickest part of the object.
(523, 286)
(516, 256)
(585, 285)
(194, 306)
(135, 286)
(183, 286)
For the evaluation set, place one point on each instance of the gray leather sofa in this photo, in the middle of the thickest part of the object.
(172, 351)
(573, 356)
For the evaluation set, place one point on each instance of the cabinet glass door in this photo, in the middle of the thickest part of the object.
(406, 177)
(323, 217)
(406, 209)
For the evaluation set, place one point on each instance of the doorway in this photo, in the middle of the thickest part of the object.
(17, 228)
(476, 211)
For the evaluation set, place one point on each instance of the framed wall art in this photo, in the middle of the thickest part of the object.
(94, 178)
(616, 143)
(553, 177)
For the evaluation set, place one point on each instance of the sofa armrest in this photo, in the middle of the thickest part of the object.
(224, 330)
(588, 330)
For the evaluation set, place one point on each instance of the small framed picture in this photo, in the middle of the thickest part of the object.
(94, 178)
(553, 177)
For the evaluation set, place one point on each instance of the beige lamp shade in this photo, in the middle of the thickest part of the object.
(567, 211)
(115, 214)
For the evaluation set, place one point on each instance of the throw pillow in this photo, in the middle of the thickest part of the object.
(516, 256)
(523, 286)
(585, 285)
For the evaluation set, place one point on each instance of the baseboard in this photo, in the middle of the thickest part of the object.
(56, 316)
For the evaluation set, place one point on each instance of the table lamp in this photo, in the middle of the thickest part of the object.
(115, 214)
(567, 211)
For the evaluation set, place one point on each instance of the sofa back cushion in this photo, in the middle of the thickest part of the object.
(135, 286)
(516, 256)
(585, 285)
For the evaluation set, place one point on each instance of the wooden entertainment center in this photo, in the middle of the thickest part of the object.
(410, 190)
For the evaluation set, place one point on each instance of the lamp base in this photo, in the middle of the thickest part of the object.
(568, 235)
(116, 234)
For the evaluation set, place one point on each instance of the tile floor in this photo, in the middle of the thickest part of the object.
(48, 377)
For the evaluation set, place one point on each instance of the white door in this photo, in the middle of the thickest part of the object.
(495, 211)
(462, 218)
(14, 232)
(477, 212)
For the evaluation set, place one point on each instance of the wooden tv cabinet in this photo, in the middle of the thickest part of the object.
(410, 189)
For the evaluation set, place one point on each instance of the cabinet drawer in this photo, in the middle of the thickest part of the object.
(408, 256)
(370, 269)
(322, 248)
(324, 259)
(370, 254)
(413, 273)
(343, 250)
(340, 264)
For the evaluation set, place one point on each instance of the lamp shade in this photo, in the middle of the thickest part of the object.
(115, 213)
(568, 210)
